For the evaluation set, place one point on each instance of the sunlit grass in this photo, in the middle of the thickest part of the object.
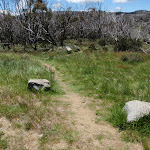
(28, 110)
(105, 76)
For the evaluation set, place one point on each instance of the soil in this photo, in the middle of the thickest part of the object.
(84, 123)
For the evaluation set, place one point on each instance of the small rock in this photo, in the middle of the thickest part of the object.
(136, 109)
(38, 84)
(69, 50)
(41, 135)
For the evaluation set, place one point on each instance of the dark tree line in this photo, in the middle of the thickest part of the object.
(39, 24)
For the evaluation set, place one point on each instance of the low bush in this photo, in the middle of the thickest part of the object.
(127, 44)
(105, 48)
(106, 41)
(132, 58)
(92, 47)
(102, 42)
(79, 41)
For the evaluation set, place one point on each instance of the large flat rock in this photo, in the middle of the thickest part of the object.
(37, 84)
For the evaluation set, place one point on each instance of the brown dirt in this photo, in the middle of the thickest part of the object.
(84, 123)
(18, 137)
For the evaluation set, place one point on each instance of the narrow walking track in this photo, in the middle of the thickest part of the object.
(84, 123)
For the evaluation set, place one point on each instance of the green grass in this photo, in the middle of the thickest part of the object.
(3, 141)
(57, 132)
(28, 110)
(3, 144)
(105, 76)
(16, 71)
(14, 75)
(98, 74)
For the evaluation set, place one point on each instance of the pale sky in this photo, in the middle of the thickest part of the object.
(107, 5)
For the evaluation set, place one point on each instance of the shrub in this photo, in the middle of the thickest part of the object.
(102, 42)
(110, 41)
(92, 47)
(79, 41)
(127, 44)
(106, 41)
(105, 49)
(132, 58)
(92, 35)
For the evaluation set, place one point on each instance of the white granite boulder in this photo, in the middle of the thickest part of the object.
(69, 50)
(136, 109)
(38, 84)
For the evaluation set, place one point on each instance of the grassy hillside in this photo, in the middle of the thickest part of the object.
(113, 77)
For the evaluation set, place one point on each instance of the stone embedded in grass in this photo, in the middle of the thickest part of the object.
(69, 50)
(136, 109)
(38, 84)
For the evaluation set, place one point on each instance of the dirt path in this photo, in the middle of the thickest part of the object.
(84, 123)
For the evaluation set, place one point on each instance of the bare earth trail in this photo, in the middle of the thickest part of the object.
(84, 123)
